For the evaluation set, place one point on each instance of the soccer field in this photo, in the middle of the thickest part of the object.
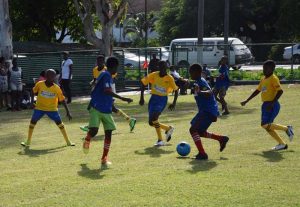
(247, 173)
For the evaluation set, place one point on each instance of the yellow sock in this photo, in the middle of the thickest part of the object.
(158, 130)
(273, 134)
(64, 133)
(164, 127)
(123, 114)
(278, 127)
(30, 132)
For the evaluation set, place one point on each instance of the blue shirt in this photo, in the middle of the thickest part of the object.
(101, 101)
(205, 104)
(223, 77)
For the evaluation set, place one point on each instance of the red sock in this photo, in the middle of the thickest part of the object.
(88, 137)
(106, 148)
(211, 136)
(198, 143)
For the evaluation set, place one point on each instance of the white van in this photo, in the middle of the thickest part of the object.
(183, 52)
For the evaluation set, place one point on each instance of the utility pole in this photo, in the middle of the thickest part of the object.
(200, 31)
(226, 27)
(146, 25)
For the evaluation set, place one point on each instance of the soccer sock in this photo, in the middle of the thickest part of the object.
(158, 130)
(198, 143)
(30, 132)
(64, 132)
(88, 137)
(106, 147)
(123, 114)
(276, 136)
(164, 127)
(211, 136)
(278, 127)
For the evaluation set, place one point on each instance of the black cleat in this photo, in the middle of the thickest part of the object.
(201, 156)
(223, 143)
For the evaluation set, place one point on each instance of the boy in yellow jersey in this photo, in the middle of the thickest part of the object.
(271, 91)
(48, 96)
(96, 72)
(161, 85)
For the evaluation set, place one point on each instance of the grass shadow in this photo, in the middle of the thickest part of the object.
(272, 156)
(201, 165)
(36, 153)
(10, 140)
(153, 151)
(86, 172)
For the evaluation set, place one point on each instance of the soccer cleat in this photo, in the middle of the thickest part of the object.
(201, 156)
(169, 133)
(225, 113)
(71, 144)
(159, 144)
(290, 132)
(84, 128)
(86, 146)
(280, 147)
(132, 123)
(223, 143)
(105, 163)
(25, 144)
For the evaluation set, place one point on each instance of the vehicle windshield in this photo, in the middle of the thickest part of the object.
(238, 44)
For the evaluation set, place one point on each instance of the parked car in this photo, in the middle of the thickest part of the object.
(183, 51)
(292, 53)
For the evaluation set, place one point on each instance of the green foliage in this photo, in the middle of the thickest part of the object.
(247, 173)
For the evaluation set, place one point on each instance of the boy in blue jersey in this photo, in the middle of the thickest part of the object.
(207, 113)
(101, 108)
(222, 84)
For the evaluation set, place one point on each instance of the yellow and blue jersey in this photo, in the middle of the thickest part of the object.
(160, 86)
(269, 87)
(47, 97)
(97, 72)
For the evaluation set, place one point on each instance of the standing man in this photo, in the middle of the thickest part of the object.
(66, 76)
(153, 64)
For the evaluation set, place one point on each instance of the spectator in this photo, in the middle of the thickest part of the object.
(56, 80)
(180, 81)
(3, 84)
(207, 76)
(16, 86)
(41, 77)
(153, 64)
(66, 76)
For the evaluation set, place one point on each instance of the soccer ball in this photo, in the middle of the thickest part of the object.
(183, 148)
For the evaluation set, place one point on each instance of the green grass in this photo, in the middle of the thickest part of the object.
(247, 173)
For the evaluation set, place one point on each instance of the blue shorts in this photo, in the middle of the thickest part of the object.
(202, 121)
(53, 115)
(267, 117)
(157, 104)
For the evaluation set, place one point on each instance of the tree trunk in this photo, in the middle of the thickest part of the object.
(6, 49)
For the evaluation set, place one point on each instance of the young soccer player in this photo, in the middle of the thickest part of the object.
(271, 91)
(161, 85)
(16, 85)
(48, 95)
(101, 108)
(96, 72)
(222, 84)
(207, 113)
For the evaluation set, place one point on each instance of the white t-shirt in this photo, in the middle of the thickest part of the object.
(65, 69)
(175, 74)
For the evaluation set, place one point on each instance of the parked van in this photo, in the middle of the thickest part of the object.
(183, 51)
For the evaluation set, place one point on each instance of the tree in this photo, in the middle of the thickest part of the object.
(107, 12)
(42, 20)
(6, 49)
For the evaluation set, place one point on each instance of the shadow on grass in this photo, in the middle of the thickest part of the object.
(153, 151)
(36, 153)
(10, 140)
(86, 172)
(201, 165)
(273, 156)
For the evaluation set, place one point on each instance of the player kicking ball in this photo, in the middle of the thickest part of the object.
(101, 105)
(48, 95)
(161, 85)
(207, 113)
(271, 91)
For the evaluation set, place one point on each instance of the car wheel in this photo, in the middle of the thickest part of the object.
(296, 59)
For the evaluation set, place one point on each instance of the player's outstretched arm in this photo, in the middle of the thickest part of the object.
(255, 93)
(172, 105)
(67, 110)
(111, 93)
(142, 100)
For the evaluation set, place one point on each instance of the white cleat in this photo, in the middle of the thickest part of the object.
(159, 144)
(280, 147)
(290, 133)
(169, 133)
